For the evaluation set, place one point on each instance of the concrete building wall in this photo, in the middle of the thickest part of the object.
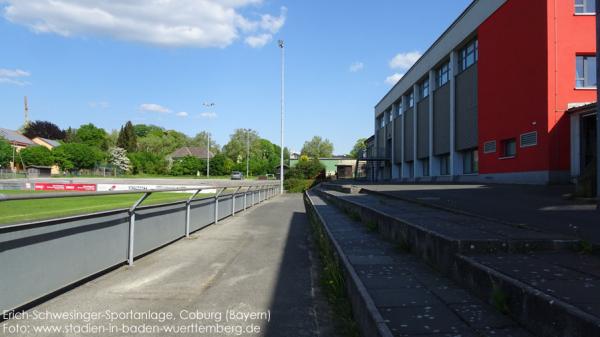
(441, 120)
(466, 109)
(409, 153)
(423, 129)
(398, 136)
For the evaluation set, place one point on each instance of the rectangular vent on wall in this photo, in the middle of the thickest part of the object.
(529, 139)
(489, 147)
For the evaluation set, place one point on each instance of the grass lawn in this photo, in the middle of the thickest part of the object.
(27, 210)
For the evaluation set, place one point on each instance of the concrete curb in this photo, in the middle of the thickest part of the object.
(370, 321)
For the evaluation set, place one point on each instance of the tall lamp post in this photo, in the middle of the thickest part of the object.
(282, 47)
(247, 153)
(208, 105)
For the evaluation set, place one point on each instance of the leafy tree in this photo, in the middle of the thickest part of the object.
(127, 138)
(118, 157)
(92, 136)
(188, 166)
(318, 147)
(143, 130)
(165, 143)
(306, 169)
(37, 155)
(201, 140)
(221, 165)
(237, 147)
(6, 153)
(76, 156)
(43, 129)
(70, 135)
(149, 163)
(359, 148)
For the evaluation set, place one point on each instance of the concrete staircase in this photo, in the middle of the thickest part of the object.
(537, 279)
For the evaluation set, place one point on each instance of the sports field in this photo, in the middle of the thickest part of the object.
(18, 211)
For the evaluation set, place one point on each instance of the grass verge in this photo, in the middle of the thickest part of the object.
(18, 211)
(332, 280)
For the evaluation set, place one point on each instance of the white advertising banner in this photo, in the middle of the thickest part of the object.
(144, 188)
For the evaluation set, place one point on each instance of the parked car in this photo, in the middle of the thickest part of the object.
(237, 175)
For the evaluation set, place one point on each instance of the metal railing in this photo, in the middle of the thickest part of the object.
(45, 256)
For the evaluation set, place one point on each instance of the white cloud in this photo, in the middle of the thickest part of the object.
(172, 23)
(182, 114)
(99, 105)
(13, 76)
(209, 115)
(393, 79)
(404, 61)
(356, 67)
(151, 107)
(258, 41)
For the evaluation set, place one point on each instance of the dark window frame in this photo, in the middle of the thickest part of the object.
(584, 82)
(471, 157)
(585, 7)
(468, 55)
(424, 89)
(443, 74)
(505, 149)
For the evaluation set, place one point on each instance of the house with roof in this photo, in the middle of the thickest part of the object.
(190, 151)
(16, 140)
(50, 144)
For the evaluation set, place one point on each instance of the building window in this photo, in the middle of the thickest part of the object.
(470, 162)
(489, 147)
(469, 55)
(398, 109)
(445, 165)
(390, 116)
(586, 72)
(381, 122)
(411, 100)
(424, 89)
(585, 6)
(425, 167)
(443, 74)
(509, 148)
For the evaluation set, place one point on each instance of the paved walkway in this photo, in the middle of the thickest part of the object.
(541, 207)
(253, 274)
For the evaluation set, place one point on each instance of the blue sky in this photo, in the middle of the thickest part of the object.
(96, 61)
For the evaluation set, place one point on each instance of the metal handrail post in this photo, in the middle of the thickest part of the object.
(233, 201)
(217, 205)
(246, 197)
(187, 213)
(132, 227)
(253, 194)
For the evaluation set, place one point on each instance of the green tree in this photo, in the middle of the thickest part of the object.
(318, 147)
(188, 166)
(237, 146)
(221, 165)
(148, 163)
(76, 156)
(201, 140)
(92, 136)
(37, 155)
(6, 153)
(127, 138)
(143, 130)
(359, 148)
(163, 144)
(306, 169)
(43, 129)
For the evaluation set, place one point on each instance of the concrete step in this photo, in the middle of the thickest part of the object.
(535, 277)
(393, 293)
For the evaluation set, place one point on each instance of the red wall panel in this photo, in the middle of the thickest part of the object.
(513, 84)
